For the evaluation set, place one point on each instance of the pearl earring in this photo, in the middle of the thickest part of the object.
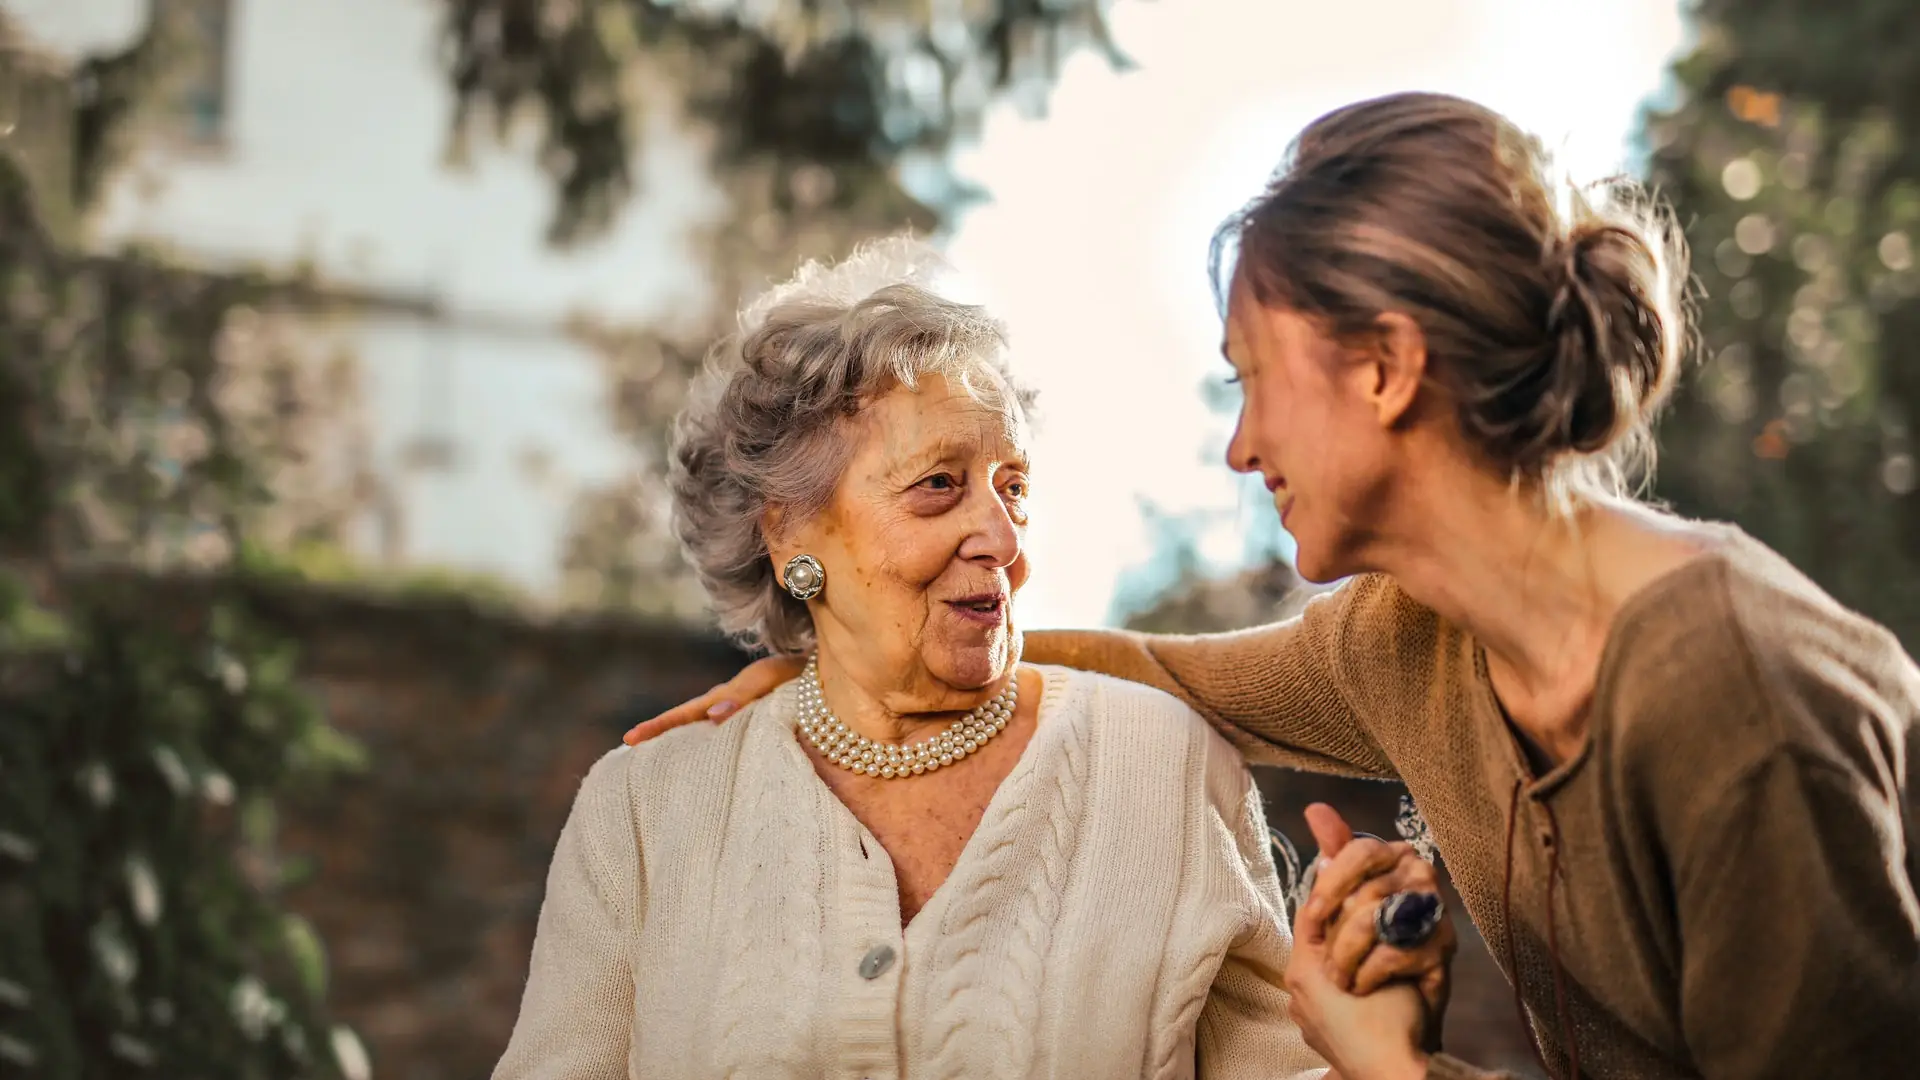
(804, 577)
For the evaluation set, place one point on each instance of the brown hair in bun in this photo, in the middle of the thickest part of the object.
(1554, 327)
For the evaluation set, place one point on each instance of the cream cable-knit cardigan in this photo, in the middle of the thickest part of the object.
(714, 911)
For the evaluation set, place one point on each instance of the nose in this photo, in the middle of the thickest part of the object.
(994, 539)
(1240, 455)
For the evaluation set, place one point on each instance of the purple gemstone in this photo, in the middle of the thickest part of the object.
(1409, 918)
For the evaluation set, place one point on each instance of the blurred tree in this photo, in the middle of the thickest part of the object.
(143, 750)
(149, 416)
(1793, 158)
(816, 115)
(854, 87)
(1197, 604)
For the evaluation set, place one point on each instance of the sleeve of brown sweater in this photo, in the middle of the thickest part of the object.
(1797, 928)
(1273, 691)
(1765, 771)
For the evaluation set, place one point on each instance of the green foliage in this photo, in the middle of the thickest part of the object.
(1793, 158)
(114, 89)
(139, 934)
(105, 99)
(141, 751)
(853, 88)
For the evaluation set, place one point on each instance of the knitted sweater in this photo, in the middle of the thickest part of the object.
(713, 910)
(1722, 883)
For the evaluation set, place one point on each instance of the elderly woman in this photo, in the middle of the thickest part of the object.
(919, 857)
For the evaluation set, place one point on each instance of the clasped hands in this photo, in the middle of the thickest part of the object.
(1372, 1010)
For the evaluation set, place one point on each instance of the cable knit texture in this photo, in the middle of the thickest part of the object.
(1734, 850)
(714, 911)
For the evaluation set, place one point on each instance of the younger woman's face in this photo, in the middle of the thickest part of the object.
(1310, 428)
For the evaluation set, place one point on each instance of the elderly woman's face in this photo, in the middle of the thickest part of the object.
(924, 544)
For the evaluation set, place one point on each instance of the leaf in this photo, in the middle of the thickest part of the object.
(309, 956)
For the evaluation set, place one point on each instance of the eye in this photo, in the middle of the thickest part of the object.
(1233, 379)
(1013, 492)
(939, 482)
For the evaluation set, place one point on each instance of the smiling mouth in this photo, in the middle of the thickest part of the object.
(987, 609)
(1282, 498)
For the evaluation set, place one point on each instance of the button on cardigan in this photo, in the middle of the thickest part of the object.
(713, 910)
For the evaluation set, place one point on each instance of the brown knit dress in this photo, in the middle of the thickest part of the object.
(1722, 883)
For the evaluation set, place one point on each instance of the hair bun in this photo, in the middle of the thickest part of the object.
(1611, 356)
(1552, 325)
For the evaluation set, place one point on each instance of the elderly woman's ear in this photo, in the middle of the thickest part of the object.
(773, 526)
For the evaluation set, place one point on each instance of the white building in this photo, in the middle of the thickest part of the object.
(317, 131)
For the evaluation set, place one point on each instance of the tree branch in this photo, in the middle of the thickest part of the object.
(110, 91)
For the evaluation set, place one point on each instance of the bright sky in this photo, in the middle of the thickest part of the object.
(1094, 247)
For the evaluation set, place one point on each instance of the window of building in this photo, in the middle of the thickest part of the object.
(202, 99)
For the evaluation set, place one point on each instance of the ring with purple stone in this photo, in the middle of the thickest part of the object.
(1408, 920)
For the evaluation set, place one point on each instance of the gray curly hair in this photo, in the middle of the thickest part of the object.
(766, 423)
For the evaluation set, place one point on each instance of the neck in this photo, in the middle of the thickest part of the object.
(1525, 583)
(890, 714)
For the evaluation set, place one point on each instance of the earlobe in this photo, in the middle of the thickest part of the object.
(803, 577)
(1399, 365)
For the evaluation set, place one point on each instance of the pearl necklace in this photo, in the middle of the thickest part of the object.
(849, 749)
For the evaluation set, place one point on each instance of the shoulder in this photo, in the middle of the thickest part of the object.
(602, 817)
(1370, 629)
(705, 745)
(1391, 649)
(704, 749)
(1371, 612)
(1739, 648)
(1146, 734)
(668, 793)
(670, 769)
(1390, 631)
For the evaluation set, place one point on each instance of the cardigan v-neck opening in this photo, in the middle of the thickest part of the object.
(993, 816)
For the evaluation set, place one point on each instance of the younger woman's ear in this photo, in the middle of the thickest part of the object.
(1396, 367)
